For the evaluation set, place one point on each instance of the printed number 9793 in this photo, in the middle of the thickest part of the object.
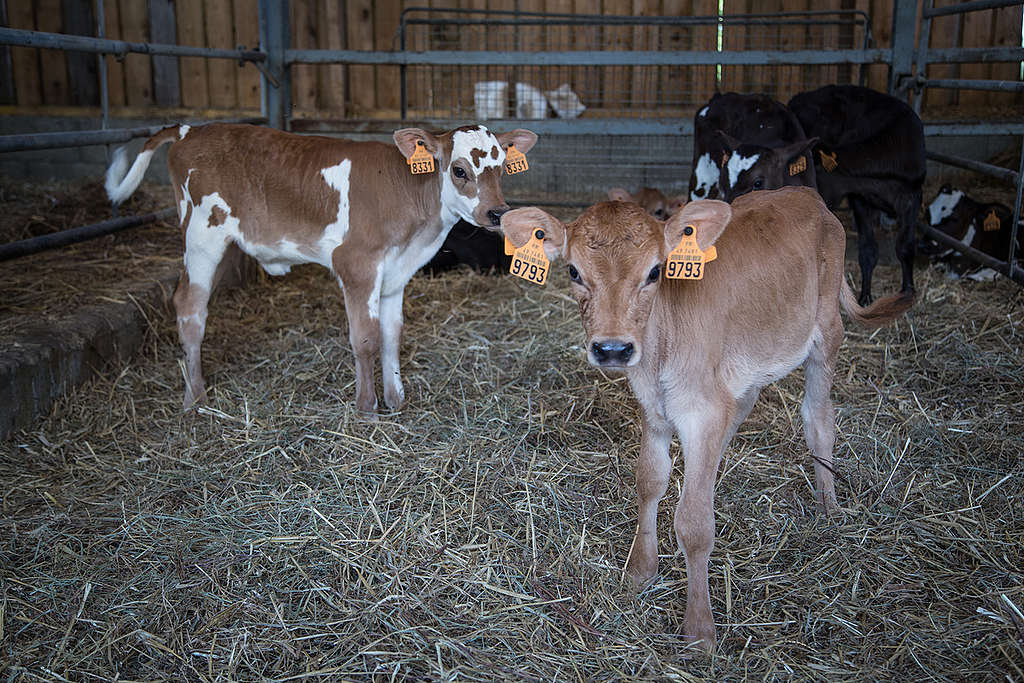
(684, 269)
(526, 270)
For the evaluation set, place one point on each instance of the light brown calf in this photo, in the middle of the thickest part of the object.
(697, 353)
(653, 200)
(353, 207)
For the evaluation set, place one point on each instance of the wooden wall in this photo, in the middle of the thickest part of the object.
(139, 84)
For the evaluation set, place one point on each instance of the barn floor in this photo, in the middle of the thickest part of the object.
(480, 533)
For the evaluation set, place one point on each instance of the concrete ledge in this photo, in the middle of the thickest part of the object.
(50, 359)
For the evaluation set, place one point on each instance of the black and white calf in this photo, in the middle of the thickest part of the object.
(869, 149)
(986, 226)
(752, 119)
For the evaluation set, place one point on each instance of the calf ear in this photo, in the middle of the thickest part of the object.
(523, 139)
(729, 142)
(520, 224)
(617, 194)
(708, 217)
(795, 149)
(407, 138)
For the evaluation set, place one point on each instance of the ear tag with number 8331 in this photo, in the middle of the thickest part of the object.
(421, 160)
(686, 261)
(529, 261)
(515, 161)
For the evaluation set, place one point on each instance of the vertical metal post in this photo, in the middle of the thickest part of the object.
(274, 33)
(1010, 259)
(904, 25)
(921, 67)
(402, 70)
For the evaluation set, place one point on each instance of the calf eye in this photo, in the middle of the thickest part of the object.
(654, 275)
(574, 274)
(458, 172)
(758, 184)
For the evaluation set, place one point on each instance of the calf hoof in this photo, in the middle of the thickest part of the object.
(865, 299)
(367, 405)
(394, 397)
(641, 567)
(193, 399)
(701, 634)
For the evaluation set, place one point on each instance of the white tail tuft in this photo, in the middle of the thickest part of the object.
(120, 186)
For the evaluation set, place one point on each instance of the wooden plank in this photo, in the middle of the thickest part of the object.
(53, 64)
(977, 33)
(7, 94)
(881, 28)
(25, 60)
(1006, 34)
(825, 38)
(303, 36)
(559, 37)
(138, 69)
(115, 67)
(247, 33)
(734, 38)
(385, 26)
(643, 80)
(332, 77)
(945, 32)
(616, 81)
(674, 83)
(705, 40)
(220, 33)
(792, 37)
(363, 90)
(83, 71)
(586, 80)
(166, 79)
(418, 78)
(195, 89)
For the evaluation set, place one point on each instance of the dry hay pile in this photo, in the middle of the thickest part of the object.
(480, 533)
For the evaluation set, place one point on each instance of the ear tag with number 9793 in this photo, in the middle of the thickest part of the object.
(529, 261)
(515, 161)
(421, 160)
(686, 261)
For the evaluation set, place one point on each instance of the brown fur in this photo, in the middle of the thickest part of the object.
(702, 350)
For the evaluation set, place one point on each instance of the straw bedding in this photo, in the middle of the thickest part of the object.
(480, 533)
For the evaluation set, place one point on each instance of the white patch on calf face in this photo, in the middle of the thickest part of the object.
(969, 237)
(703, 112)
(337, 177)
(942, 206)
(707, 177)
(738, 164)
(463, 143)
(183, 130)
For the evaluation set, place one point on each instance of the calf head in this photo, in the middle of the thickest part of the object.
(652, 200)
(470, 163)
(949, 213)
(616, 254)
(753, 167)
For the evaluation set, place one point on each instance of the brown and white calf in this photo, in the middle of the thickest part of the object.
(352, 207)
(698, 352)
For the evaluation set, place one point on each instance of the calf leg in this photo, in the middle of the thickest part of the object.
(817, 412)
(391, 340)
(703, 437)
(907, 246)
(203, 254)
(362, 308)
(652, 472)
(865, 217)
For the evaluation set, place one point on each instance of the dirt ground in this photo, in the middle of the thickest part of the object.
(479, 534)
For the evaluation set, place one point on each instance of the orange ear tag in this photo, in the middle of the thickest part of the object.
(798, 166)
(529, 261)
(515, 161)
(509, 247)
(686, 262)
(421, 160)
(992, 222)
(828, 160)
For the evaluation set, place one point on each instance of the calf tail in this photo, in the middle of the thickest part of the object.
(122, 181)
(881, 312)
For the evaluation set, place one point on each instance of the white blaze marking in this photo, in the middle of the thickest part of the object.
(703, 112)
(183, 130)
(943, 206)
(707, 176)
(738, 164)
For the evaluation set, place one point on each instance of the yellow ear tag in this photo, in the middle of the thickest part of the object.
(515, 161)
(509, 247)
(828, 160)
(421, 160)
(686, 262)
(992, 221)
(798, 166)
(529, 261)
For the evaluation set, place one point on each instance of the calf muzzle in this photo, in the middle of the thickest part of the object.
(496, 213)
(611, 353)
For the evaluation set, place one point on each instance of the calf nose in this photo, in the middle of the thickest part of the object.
(496, 214)
(612, 352)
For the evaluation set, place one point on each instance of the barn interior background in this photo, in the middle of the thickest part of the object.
(276, 535)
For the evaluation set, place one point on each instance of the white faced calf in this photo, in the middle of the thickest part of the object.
(353, 207)
(698, 352)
